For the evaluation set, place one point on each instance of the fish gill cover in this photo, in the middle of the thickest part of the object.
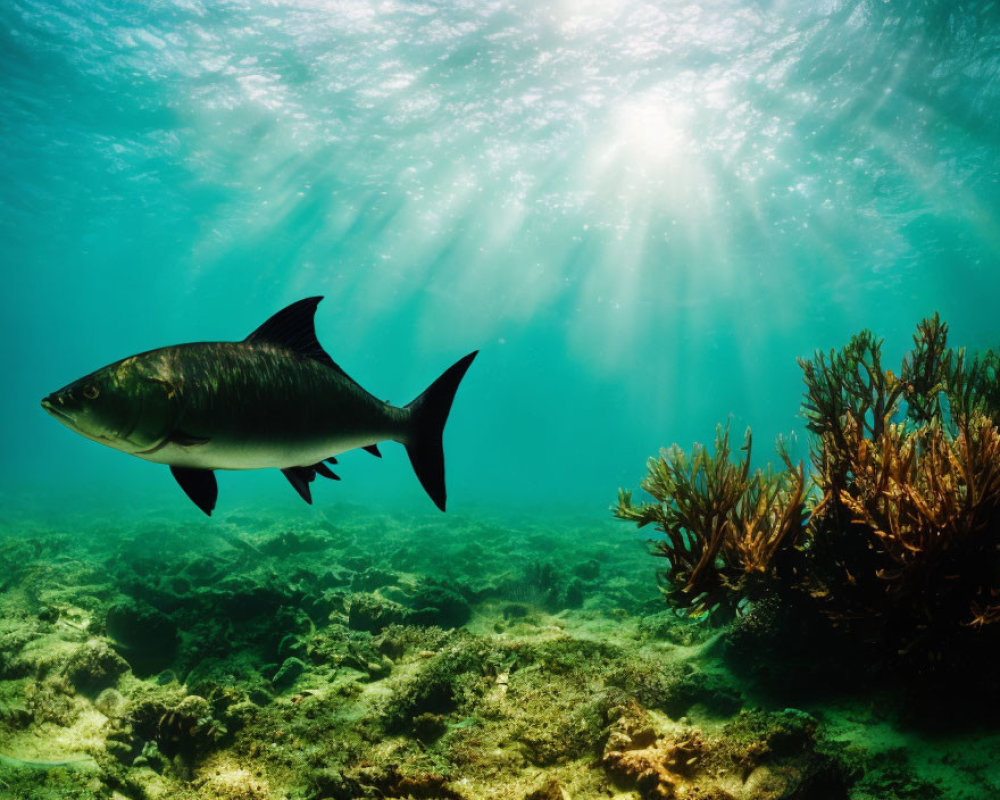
(641, 213)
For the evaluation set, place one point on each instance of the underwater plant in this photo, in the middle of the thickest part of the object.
(896, 537)
(724, 524)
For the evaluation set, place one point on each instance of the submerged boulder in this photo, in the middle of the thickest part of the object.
(441, 606)
(369, 612)
(94, 666)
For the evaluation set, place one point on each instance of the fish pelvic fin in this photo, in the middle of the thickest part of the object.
(198, 484)
(301, 477)
(428, 415)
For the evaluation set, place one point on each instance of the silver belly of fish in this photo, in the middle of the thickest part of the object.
(251, 455)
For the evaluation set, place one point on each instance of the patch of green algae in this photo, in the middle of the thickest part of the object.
(357, 655)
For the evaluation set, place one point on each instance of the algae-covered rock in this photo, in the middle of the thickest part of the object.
(110, 702)
(145, 636)
(711, 691)
(428, 726)
(332, 783)
(550, 789)
(441, 606)
(440, 683)
(233, 784)
(371, 579)
(93, 667)
(369, 612)
(669, 627)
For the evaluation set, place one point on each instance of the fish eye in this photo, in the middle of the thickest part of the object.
(90, 391)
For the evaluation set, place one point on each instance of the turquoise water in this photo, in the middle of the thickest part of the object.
(640, 213)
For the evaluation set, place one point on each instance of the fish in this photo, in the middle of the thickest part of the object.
(273, 400)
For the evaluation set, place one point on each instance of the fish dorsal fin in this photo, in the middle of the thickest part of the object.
(293, 327)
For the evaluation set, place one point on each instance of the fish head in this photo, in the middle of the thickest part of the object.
(125, 405)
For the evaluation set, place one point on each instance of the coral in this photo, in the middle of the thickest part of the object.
(724, 525)
(656, 771)
(903, 539)
(897, 542)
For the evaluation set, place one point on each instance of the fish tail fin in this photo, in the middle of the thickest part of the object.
(428, 414)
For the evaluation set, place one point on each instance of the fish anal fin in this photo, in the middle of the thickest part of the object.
(198, 484)
(175, 437)
(325, 471)
(294, 328)
(373, 449)
(300, 478)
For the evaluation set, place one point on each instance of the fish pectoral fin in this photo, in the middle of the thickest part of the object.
(186, 439)
(198, 484)
(325, 471)
(373, 449)
(300, 478)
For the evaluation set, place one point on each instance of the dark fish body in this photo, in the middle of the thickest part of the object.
(259, 406)
(275, 399)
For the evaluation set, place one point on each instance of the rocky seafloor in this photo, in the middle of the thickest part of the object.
(347, 653)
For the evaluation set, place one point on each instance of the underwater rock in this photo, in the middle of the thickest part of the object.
(588, 570)
(390, 781)
(93, 667)
(369, 612)
(49, 701)
(241, 602)
(109, 702)
(441, 606)
(551, 789)
(290, 542)
(667, 626)
(331, 784)
(202, 570)
(14, 635)
(235, 784)
(437, 684)
(146, 637)
(428, 726)
(706, 689)
(778, 754)
(288, 673)
(321, 605)
(371, 579)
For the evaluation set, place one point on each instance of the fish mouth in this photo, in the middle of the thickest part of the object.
(54, 410)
